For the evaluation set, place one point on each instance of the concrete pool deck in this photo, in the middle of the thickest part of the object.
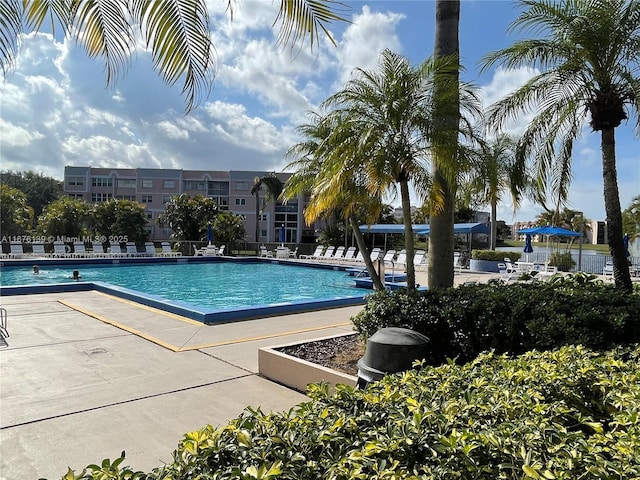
(87, 375)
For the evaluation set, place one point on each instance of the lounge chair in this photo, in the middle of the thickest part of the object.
(505, 274)
(328, 253)
(79, 250)
(208, 251)
(221, 250)
(607, 271)
(265, 253)
(314, 255)
(132, 250)
(98, 250)
(337, 254)
(60, 250)
(349, 255)
(17, 250)
(149, 249)
(389, 256)
(117, 251)
(167, 252)
(38, 250)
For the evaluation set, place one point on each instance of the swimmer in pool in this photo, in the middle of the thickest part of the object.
(36, 269)
(75, 275)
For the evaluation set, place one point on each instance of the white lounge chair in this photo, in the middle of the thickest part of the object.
(221, 250)
(98, 250)
(167, 252)
(60, 250)
(314, 255)
(389, 256)
(264, 252)
(79, 250)
(17, 250)
(38, 250)
(607, 271)
(337, 254)
(4, 328)
(208, 251)
(328, 253)
(349, 255)
(117, 251)
(149, 249)
(132, 250)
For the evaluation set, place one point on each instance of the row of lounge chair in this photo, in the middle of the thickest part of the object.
(350, 255)
(78, 250)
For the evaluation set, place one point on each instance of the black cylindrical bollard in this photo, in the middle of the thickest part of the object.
(390, 350)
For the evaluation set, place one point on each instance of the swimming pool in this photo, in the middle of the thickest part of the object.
(206, 291)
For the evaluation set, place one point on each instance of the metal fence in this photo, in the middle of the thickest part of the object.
(589, 263)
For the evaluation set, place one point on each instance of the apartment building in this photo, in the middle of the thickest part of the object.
(230, 189)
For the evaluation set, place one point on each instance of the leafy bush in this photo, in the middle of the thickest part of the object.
(566, 414)
(463, 322)
(495, 256)
(563, 261)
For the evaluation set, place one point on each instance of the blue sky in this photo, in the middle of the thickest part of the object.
(55, 109)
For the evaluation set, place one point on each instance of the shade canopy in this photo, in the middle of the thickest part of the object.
(550, 231)
(423, 229)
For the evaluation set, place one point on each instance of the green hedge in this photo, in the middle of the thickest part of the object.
(495, 256)
(565, 414)
(463, 322)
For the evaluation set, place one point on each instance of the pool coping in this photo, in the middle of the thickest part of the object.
(205, 315)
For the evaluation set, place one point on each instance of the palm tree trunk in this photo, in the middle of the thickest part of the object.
(494, 225)
(443, 168)
(366, 255)
(621, 274)
(408, 234)
(257, 217)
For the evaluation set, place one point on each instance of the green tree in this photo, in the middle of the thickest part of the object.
(122, 218)
(589, 69)
(188, 217)
(332, 175)
(497, 169)
(274, 188)
(444, 165)
(39, 189)
(388, 115)
(65, 217)
(228, 229)
(176, 32)
(16, 216)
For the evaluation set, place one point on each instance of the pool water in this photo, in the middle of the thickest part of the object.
(215, 285)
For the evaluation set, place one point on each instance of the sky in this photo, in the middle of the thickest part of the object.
(56, 110)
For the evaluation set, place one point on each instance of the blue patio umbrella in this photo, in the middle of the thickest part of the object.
(527, 244)
(283, 234)
(625, 240)
(210, 234)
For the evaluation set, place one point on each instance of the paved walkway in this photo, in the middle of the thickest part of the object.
(88, 375)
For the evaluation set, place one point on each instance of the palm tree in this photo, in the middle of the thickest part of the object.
(496, 170)
(274, 188)
(589, 69)
(445, 145)
(177, 32)
(333, 177)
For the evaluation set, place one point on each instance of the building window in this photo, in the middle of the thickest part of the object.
(263, 234)
(79, 196)
(241, 201)
(194, 185)
(100, 197)
(262, 217)
(169, 184)
(242, 186)
(146, 198)
(126, 197)
(147, 183)
(101, 182)
(149, 215)
(75, 181)
(123, 183)
(166, 198)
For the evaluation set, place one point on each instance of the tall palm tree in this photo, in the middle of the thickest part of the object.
(274, 188)
(333, 178)
(175, 31)
(445, 145)
(590, 69)
(497, 169)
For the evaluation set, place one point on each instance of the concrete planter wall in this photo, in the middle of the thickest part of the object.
(484, 265)
(297, 373)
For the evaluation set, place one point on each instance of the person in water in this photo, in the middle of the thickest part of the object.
(75, 275)
(36, 269)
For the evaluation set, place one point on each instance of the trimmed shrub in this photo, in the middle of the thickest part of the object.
(495, 256)
(566, 414)
(463, 322)
(563, 261)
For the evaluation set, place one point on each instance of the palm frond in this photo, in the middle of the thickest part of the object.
(177, 31)
(10, 31)
(300, 19)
